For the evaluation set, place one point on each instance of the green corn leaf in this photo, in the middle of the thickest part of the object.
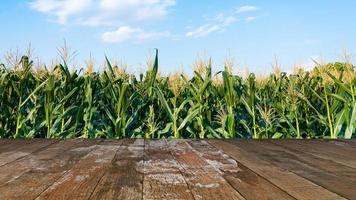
(351, 126)
(165, 104)
(338, 97)
(109, 66)
(188, 118)
(340, 118)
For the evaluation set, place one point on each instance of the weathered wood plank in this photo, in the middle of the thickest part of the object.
(338, 145)
(351, 143)
(3, 141)
(33, 161)
(335, 177)
(80, 181)
(13, 144)
(177, 169)
(326, 173)
(247, 182)
(123, 178)
(335, 152)
(23, 150)
(162, 176)
(203, 179)
(295, 185)
(49, 169)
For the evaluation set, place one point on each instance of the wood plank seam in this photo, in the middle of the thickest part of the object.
(105, 172)
(33, 154)
(65, 172)
(37, 150)
(330, 151)
(294, 174)
(241, 164)
(198, 154)
(158, 153)
(289, 151)
(123, 178)
(180, 170)
(299, 174)
(313, 155)
(265, 179)
(12, 144)
(267, 149)
(308, 179)
(349, 142)
(28, 185)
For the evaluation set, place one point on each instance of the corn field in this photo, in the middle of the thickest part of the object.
(62, 103)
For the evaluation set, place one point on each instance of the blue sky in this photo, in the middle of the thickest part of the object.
(252, 32)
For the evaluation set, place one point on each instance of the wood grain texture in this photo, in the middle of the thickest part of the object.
(351, 143)
(334, 151)
(45, 170)
(35, 160)
(80, 181)
(12, 144)
(325, 173)
(123, 178)
(244, 180)
(23, 149)
(162, 175)
(203, 178)
(177, 169)
(296, 186)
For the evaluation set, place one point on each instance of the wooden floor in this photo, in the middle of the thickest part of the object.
(177, 169)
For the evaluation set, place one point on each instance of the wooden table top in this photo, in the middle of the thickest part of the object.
(177, 169)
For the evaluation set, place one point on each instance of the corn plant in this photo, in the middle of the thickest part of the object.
(231, 99)
(199, 90)
(176, 123)
(36, 102)
(248, 99)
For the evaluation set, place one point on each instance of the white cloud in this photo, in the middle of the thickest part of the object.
(246, 8)
(203, 30)
(250, 19)
(61, 9)
(103, 12)
(221, 22)
(125, 33)
(228, 21)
